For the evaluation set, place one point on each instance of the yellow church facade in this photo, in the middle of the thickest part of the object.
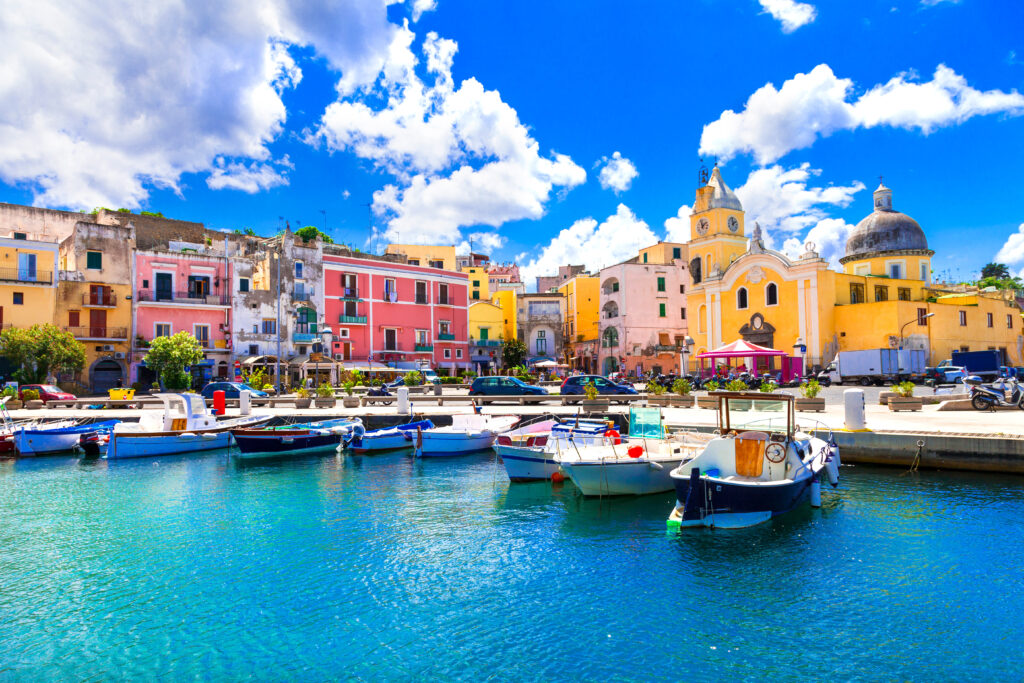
(883, 298)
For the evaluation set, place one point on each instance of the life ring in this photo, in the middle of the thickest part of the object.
(613, 437)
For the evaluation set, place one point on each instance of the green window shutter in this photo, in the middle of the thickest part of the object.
(645, 257)
(661, 310)
(483, 333)
(93, 260)
(615, 286)
(677, 252)
(661, 284)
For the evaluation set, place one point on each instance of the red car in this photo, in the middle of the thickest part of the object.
(47, 392)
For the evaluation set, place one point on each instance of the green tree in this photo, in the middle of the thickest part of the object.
(999, 271)
(513, 352)
(41, 350)
(169, 356)
(311, 232)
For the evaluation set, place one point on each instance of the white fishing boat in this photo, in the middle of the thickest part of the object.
(56, 437)
(394, 438)
(468, 433)
(185, 425)
(640, 464)
(532, 452)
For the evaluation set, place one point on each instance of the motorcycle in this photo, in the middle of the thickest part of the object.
(1002, 392)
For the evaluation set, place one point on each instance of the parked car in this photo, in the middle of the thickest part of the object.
(573, 386)
(504, 386)
(47, 392)
(231, 390)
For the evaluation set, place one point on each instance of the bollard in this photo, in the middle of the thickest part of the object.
(244, 402)
(218, 402)
(437, 389)
(403, 400)
(853, 402)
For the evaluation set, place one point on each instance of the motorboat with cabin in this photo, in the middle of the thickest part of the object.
(638, 464)
(531, 452)
(758, 466)
(468, 433)
(185, 425)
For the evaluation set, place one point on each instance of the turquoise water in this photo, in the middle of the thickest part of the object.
(390, 568)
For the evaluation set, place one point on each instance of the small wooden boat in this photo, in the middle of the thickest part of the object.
(259, 444)
(388, 439)
(184, 426)
(468, 433)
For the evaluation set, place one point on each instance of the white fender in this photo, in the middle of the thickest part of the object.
(656, 465)
(832, 469)
(208, 436)
(815, 493)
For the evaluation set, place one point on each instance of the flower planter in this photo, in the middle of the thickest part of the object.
(303, 402)
(657, 400)
(808, 405)
(884, 396)
(350, 402)
(14, 404)
(593, 405)
(34, 405)
(681, 401)
(710, 401)
(897, 403)
(326, 402)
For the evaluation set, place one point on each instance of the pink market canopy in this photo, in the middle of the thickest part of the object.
(741, 349)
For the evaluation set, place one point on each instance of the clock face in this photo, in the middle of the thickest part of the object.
(734, 225)
(702, 226)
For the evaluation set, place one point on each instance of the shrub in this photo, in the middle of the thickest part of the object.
(348, 385)
(655, 388)
(736, 385)
(711, 385)
(155, 386)
(810, 388)
(590, 390)
(8, 391)
(413, 378)
(268, 387)
(904, 389)
(682, 386)
(302, 392)
(29, 395)
(768, 387)
(325, 390)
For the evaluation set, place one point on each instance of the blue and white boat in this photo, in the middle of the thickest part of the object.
(468, 433)
(43, 439)
(532, 452)
(387, 439)
(760, 466)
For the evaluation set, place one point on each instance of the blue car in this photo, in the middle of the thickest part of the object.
(574, 385)
(230, 389)
(504, 386)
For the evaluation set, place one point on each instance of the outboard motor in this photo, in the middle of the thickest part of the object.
(90, 444)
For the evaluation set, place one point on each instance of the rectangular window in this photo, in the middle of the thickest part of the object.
(856, 293)
(421, 292)
(682, 313)
(458, 353)
(921, 313)
(444, 326)
(682, 289)
(677, 253)
(903, 293)
(442, 294)
(1009, 321)
(484, 332)
(20, 236)
(421, 337)
(19, 299)
(542, 334)
(661, 310)
(447, 353)
(963, 318)
(542, 345)
(924, 272)
(615, 286)
(988, 319)
(350, 309)
(895, 271)
(390, 289)
(881, 293)
(162, 330)
(27, 267)
(476, 294)
(645, 257)
(254, 350)
(243, 284)
(476, 283)
(965, 349)
(269, 326)
(298, 270)
(437, 264)
(202, 334)
(661, 284)
(414, 262)
(94, 260)
(74, 319)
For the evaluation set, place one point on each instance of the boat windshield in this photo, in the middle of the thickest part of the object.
(747, 411)
(645, 422)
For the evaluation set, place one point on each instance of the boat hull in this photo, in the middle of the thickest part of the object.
(256, 445)
(145, 446)
(730, 504)
(442, 445)
(42, 443)
(621, 478)
(374, 443)
(524, 463)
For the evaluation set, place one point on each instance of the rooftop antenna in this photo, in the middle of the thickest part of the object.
(702, 174)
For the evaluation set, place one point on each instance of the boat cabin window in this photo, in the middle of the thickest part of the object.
(746, 412)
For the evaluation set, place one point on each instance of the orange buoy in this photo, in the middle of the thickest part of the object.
(635, 451)
(557, 478)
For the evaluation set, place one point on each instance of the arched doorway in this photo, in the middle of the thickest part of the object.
(104, 375)
(611, 364)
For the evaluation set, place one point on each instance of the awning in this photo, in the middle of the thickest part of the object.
(261, 360)
(740, 349)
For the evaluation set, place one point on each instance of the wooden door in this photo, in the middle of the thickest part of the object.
(97, 323)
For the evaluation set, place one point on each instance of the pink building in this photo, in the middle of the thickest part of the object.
(384, 310)
(183, 289)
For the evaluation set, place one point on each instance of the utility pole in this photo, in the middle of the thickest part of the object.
(277, 359)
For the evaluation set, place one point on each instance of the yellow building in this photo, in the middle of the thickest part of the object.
(505, 299)
(884, 298)
(430, 256)
(479, 285)
(582, 305)
(486, 334)
(28, 281)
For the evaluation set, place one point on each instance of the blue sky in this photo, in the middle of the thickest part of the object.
(546, 132)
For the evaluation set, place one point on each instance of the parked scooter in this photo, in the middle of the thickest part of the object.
(1002, 392)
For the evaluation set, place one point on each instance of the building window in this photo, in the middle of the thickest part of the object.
(243, 284)
(771, 294)
(476, 283)
(421, 292)
(965, 349)
(895, 271)
(414, 262)
(661, 310)
(541, 343)
(447, 353)
(677, 253)
(741, 298)
(162, 330)
(856, 293)
(881, 293)
(615, 286)
(661, 284)
(254, 349)
(484, 333)
(202, 334)
(390, 289)
(298, 270)
(442, 294)
(645, 257)
(924, 272)
(94, 260)
(921, 313)
(444, 327)
(19, 299)
(476, 294)
(1009, 321)
(988, 319)
(903, 293)
(610, 338)
(682, 314)
(421, 338)
(437, 264)
(20, 236)
(269, 326)
(458, 353)
(74, 319)
(682, 289)
(963, 318)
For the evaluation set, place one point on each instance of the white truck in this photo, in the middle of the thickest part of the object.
(874, 366)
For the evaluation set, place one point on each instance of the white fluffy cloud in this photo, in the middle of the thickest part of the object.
(460, 155)
(1012, 252)
(791, 14)
(782, 200)
(593, 244)
(828, 237)
(617, 173)
(481, 242)
(101, 103)
(816, 104)
(250, 178)
(677, 228)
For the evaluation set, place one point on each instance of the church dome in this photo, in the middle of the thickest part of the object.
(722, 197)
(884, 231)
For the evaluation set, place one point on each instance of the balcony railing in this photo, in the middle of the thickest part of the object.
(303, 293)
(305, 337)
(103, 298)
(352, 319)
(43, 277)
(423, 347)
(421, 299)
(486, 342)
(393, 347)
(445, 301)
(667, 348)
(446, 337)
(98, 332)
(350, 293)
(160, 295)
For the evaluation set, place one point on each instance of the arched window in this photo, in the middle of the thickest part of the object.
(771, 294)
(611, 310)
(611, 338)
(702, 319)
(741, 297)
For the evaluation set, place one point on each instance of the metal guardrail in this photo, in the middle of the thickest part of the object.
(352, 319)
(43, 277)
(98, 332)
(160, 295)
(446, 337)
(99, 299)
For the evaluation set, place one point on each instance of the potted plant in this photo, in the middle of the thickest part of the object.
(682, 387)
(904, 398)
(302, 398)
(768, 387)
(656, 394)
(13, 402)
(269, 389)
(31, 399)
(736, 385)
(349, 401)
(710, 400)
(325, 396)
(809, 391)
(592, 402)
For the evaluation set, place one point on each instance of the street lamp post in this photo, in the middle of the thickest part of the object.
(904, 326)
(684, 354)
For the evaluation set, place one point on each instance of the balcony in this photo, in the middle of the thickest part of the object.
(165, 296)
(97, 332)
(99, 299)
(42, 277)
(667, 348)
(303, 293)
(445, 301)
(446, 337)
(350, 293)
(426, 348)
(392, 348)
(305, 337)
(352, 319)
(421, 299)
(485, 342)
